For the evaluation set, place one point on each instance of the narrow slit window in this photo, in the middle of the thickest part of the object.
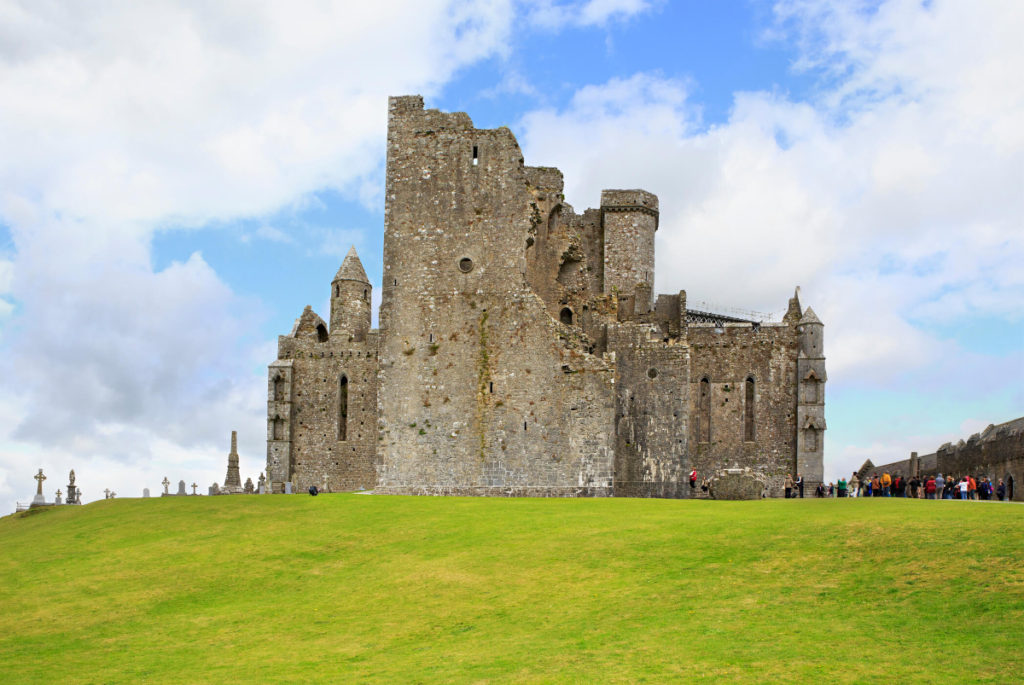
(748, 412)
(343, 407)
(704, 412)
(476, 156)
(492, 386)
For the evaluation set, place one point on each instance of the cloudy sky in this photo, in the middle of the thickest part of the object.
(178, 179)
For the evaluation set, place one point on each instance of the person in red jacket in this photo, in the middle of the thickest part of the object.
(929, 488)
(693, 479)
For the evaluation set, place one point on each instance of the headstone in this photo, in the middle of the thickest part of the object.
(233, 482)
(263, 483)
(210, 491)
(145, 492)
(287, 487)
(194, 486)
(181, 488)
(58, 500)
(216, 490)
(166, 483)
(263, 489)
(248, 489)
(72, 489)
(39, 499)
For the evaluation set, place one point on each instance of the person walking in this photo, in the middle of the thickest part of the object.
(788, 486)
(800, 484)
(1001, 490)
(940, 486)
(693, 479)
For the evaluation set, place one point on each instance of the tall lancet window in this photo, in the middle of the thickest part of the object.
(704, 411)
(748, 411)
(343, 407)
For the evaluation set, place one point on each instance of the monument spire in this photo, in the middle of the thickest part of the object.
(233, 481)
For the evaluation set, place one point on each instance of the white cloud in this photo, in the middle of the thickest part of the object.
(550, 14)
(120, 118)
(921, 178)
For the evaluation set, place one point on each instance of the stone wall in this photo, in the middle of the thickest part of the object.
(726, 356)
(482, 389)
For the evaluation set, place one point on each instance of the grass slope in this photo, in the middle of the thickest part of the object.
(343, 588)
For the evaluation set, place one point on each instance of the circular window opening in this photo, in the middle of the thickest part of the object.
(652, 373)
(465, 265)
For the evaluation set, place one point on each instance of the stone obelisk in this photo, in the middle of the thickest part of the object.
(233, 482)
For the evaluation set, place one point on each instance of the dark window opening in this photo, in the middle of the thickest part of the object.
(321, 332)
(652, 373)
(366, 295)
(566, 316)
(476, 156)
(704, 412)
(748, 412)
(465, 265)
(492, 386)
(524, 425)
(343, 407)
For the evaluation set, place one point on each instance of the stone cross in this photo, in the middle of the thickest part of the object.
(59, 493)
(39, 478)
(166, 483)
(194, 486)
(58, 500)
(106, 493)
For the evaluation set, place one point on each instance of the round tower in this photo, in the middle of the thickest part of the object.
(351, 294)
(630, 218)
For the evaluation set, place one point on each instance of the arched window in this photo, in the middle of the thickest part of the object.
(321, 332)
(343, 407)
(566, 316)
(748, 411)
(704, 411)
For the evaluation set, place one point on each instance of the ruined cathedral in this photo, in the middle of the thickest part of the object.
(521, 350)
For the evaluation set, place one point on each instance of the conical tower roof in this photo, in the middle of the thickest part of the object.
(810, 317)
(351, 269)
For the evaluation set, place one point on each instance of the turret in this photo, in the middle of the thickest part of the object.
(630, 218)
(350, 299)
(811, 330)
(810, 409)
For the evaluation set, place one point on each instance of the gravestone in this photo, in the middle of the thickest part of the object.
(39, 499)
(166, 483)
(58, 500)
(263, 484)
(210, 492)
(287, 487)
(72, 489)
(145, 492)
(181, 488)
(248, 486)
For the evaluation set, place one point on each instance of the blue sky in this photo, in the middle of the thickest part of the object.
(179, 181)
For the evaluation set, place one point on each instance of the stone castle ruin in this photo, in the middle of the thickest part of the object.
(521, 349)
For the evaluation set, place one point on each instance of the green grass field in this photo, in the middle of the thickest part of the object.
(355, 588)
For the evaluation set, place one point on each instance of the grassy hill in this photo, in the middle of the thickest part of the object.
(355, 588)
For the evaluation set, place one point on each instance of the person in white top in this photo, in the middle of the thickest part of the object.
(964, 486)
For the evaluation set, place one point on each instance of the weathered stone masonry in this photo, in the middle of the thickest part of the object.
(521, 350)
